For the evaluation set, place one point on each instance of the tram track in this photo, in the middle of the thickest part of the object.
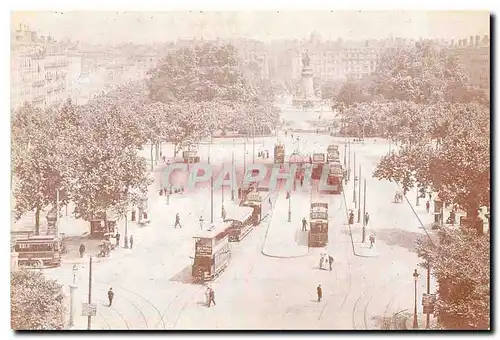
(132, 303)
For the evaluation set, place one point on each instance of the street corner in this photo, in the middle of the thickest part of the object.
(364, 250)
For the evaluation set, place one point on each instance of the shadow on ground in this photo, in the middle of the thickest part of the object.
(184, 276)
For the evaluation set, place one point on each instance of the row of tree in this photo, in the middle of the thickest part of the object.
(89, 153)
(419, 97)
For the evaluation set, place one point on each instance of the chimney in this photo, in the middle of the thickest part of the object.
(478, 38)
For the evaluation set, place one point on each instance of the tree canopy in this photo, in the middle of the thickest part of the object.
(36, 302)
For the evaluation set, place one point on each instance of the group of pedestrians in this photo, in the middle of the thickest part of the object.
(324, 257)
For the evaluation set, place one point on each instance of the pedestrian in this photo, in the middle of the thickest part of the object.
(118, 239)
(177, 221)
(367, 218)
(239, 192)
(430, 195)
(111, 295)
(223, 213)
(201, 222)
(131, 241)
(427, 206)
(81, 249)
(161, 192)
(301, 180)
(292, 135)
(304, 224)
(321, 259)
(270, 203)
(330, 261)
(372, 240)
(211, 297)
(207, 296)
(164, 158)
(267, 154)
(351, 218)
(319, 291)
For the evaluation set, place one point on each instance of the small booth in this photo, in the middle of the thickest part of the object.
(190, 156)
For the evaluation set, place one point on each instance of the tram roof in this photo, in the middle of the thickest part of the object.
(214, 230)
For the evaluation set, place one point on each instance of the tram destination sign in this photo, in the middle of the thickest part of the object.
(203, 250)
(318, 158)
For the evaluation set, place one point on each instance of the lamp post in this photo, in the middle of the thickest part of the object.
(211, 185)
(354, 187)
(349, 161)
(345, 154)
(415, 321)
(125, 244)
(289, 207)
(418, 197)
(75, 270)
(359, 194)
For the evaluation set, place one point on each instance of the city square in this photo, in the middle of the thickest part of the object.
(388, 209)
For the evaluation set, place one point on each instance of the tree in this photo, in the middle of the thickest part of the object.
(461, 265)
(36, 302)
(204, 72)
(36, 163)
(423, 73)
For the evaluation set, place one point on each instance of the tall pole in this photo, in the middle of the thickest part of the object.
(244, 158)
(89, 318)
(364, 213)
(232, 173)
(415, 321)
(253, 143)
(211, 185)
(428, 316)
(354, 186)
(359, 194)
(289, 207)
(57, 212)
(349, 164)
(126, 230)
(345, 155)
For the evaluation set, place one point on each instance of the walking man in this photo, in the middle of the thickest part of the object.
(330, 261)
(118, 239)
(319, 291)
(211, 297)
(304, 224)
(372, 240)
(81, 249)
(367, 218)
(177, 221)
(131, 241)
(111, 295)
(427, 206)
(201, 222)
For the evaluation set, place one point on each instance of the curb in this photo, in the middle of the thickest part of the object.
(265, 241)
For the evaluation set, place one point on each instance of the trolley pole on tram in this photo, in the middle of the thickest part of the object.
(89, 318)
(359, 194)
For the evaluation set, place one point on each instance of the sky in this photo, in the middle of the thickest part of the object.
(150, 27)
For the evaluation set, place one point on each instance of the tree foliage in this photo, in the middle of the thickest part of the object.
(461, 265)
(36, 302)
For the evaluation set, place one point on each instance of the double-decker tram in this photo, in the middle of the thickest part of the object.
(240, 223)
(318, 224)
(212, 252)
(318, 161)
(260, 202)
(39, 251)
(334, 179)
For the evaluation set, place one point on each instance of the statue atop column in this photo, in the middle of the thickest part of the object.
(306, 61)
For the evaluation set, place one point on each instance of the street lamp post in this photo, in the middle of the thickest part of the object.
(75, 270)
(359, 194)
(211, 185)
(418, 198)
(354, 186)
(415, 321)
(289, 207)
(126, 231)
(345, 154)
(349, 161)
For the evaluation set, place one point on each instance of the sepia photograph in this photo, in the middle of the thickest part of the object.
(250, 170)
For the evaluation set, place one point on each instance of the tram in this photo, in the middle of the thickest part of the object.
(39, 251)
(318, 224)
(334, 179)
(260, 202)
(318, 161)
(241, 223)
(212, 252)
